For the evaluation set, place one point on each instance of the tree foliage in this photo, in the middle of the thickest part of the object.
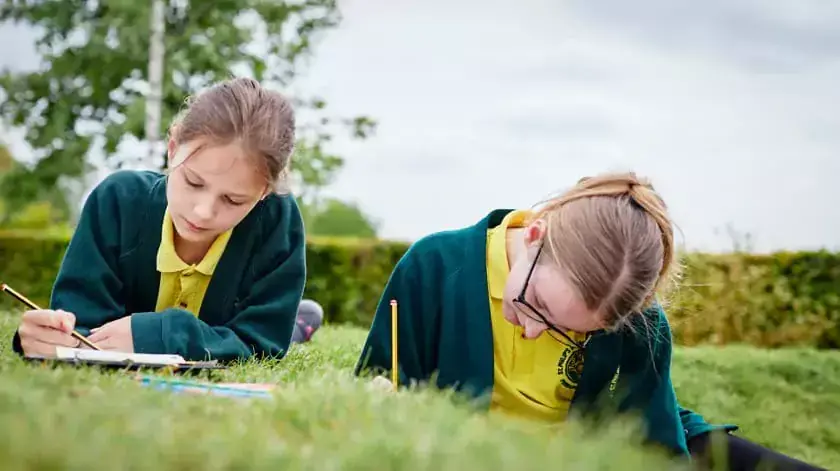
(49, 211)
(336, 218)
(90, 90)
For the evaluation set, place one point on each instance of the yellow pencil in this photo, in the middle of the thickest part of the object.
(8, 289)
(395, 376)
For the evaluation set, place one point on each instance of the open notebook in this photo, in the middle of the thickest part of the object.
(124, 359)
(65, 353)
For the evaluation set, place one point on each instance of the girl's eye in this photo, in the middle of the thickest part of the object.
(235, 203)
(192, 183)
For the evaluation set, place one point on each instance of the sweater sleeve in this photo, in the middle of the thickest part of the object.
(264, 316)
(416, 314)
(695, 424)
(668, 423)
(88, 284)
(652, 389)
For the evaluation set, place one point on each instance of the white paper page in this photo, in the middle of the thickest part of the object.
(96, 355)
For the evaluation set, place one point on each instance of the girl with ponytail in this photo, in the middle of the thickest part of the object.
(551, 314)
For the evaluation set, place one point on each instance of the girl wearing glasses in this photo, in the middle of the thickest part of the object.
(546, 314)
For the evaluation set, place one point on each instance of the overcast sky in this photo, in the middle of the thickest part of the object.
(730, 106)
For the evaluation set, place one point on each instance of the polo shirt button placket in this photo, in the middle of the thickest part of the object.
(186, 274)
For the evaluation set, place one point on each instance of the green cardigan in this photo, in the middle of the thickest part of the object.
(444, 332)
(109, 270)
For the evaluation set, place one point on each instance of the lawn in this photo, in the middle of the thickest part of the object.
(322, 418)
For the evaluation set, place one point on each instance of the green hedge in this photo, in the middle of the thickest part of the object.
(28, 263)
(770, 300)
(345, 275)
(784, 298)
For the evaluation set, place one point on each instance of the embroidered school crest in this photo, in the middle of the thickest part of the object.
(570, 367)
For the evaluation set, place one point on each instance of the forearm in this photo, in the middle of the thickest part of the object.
(175, 331)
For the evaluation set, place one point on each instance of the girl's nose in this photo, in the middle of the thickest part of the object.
(204, 210)
(533, 328)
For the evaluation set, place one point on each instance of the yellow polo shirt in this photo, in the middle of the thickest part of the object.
(182, 285)
(532, 378)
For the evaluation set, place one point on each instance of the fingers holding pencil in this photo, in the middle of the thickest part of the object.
(61, 321)
(36, 320)
(42, 330)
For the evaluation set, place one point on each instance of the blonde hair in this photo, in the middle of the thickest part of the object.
(240, 109)
(611, 235)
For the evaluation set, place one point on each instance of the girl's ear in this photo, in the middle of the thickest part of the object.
(170, 152)
(535, 231)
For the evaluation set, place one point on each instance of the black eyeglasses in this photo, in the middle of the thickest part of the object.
(521, 300)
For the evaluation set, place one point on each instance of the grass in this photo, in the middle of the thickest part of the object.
(322, 418)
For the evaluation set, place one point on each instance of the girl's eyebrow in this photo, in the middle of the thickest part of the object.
(193, 174)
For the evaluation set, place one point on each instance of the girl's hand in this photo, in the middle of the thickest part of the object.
(115, 336)
(42, 330)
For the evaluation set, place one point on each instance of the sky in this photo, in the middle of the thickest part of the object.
(728, 106)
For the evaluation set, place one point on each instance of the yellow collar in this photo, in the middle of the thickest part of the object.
(168, 260)
(497, 259)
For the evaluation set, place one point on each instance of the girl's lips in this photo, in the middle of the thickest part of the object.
(193, 227)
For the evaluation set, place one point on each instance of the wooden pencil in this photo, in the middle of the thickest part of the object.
(395, 375)
(8, 289)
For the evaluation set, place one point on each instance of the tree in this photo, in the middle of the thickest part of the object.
(50, 211)
(90, 90)
(7, 162)
(333, 217)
